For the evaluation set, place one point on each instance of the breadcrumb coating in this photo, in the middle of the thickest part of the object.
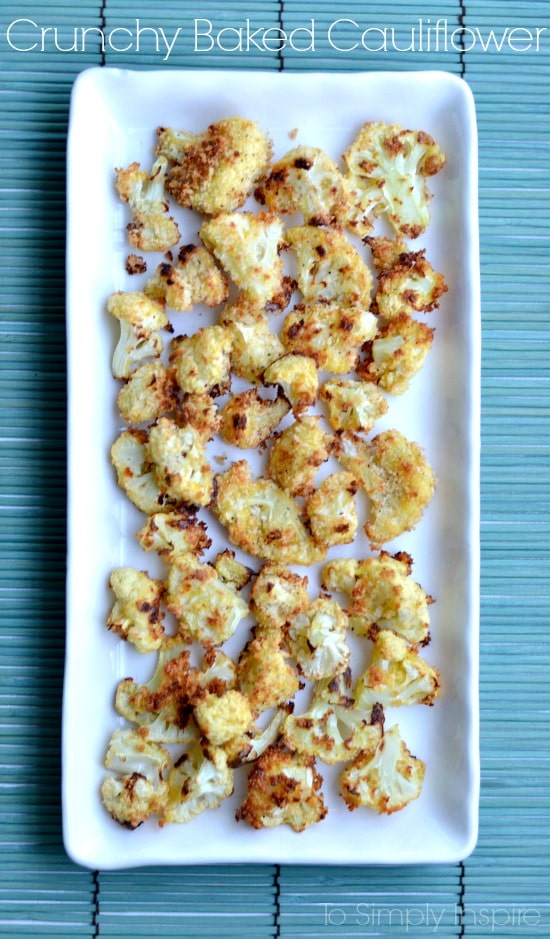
(332, 512)
(247, 247)
(283, 789)
(297, 453)
(263, 673)
(262, 519)
(353, 405)
(247, 420)
(278, 595)
(330, 333)
(397, 477)
(397, 354)
(193, 278)
(216, 170)
(305, 180)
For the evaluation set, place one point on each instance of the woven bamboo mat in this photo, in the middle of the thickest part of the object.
(502, 889)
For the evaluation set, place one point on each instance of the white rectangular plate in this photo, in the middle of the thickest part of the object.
(113, 118)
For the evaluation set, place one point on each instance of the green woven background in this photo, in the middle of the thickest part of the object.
(502, 889)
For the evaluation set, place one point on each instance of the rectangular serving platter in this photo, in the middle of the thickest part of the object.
(114, 114)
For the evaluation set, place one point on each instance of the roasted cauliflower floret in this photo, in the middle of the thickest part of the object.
(410, 286)
(136, 474)
(305, 180)
(216, 170)
(297, 376)
(247, 747)
(397, 354)
(162, 706)
(385, 780)
(247, 247)
(353, 405)
(386, 252)
(149, 392)
(172, 534)
(136, 615)
(262, 519)
(207, 609)
(283, 789)
(329, 267)
(317, 640)
(254, 345)
(194, 278)
(247, 420)
(179, 458)
(201, 412)
(387, 169)
(231, 570)
(139, 790)
(331, 333)
(332, 729)
(201, 362)
(339, 575)
(199, 780)
(263, 674)
(384, 596)
(397, 477)
(278, 595)
(140, 319)
(396, 675)
(222, 717)
(151, 228)
(331, 510)
(297, 453)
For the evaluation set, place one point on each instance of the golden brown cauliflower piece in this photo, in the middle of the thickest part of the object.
(297, 376)
(263, 673)
(138, 790)
(140, 320)
(179, 458)
(232, 571)
(396, 675)
(247, 247)
(162, 707)
(397, 354)
(386, 252)
(305, 180)
(383, 595)
(317, 640)
(297, 453)
(201, 362)
(136, 615)
(278, 595)
(329, 267)
(262, 519)
(283, 789)
(254, 346)
(200, 779)
(201, 412)
(330, 333)
(332, 728)
(385, 779)
(222, 717)
(248, 420)
(136, 474)
(149, 392)
(173, 533)
(397, 477)
(387, 169)
(352, 405)
(331, 510)
(216, 170)
(410, 286)
(151, 228)
(194, 278)
(207, 608)
(339, 575)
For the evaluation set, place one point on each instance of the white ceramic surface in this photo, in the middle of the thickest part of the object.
(113, 117)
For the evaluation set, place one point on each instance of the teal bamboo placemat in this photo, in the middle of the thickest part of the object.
(502, 889)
